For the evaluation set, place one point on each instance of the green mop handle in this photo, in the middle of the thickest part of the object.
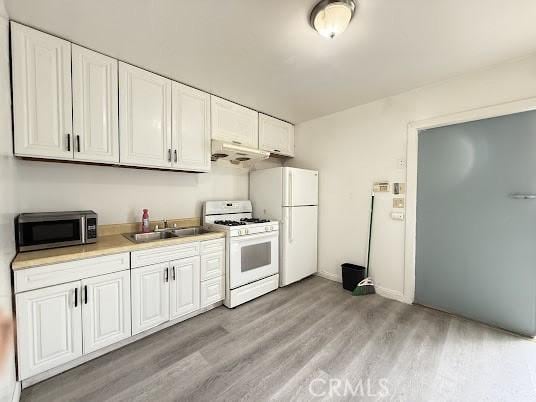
(370, 235)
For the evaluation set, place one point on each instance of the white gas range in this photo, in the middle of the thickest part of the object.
(252, 249)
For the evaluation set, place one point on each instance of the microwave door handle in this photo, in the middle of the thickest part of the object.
(83, 229)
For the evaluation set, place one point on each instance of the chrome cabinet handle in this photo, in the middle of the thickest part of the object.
(75, 297)
(173, 272)
(523, 196)
(166, 275)
(69, 142)
(78, 143)
(85, 294)
(176, 156)
(169, 155)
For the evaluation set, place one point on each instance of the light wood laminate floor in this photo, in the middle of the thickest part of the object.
(293, 343)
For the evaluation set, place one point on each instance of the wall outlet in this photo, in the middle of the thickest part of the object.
(398, 203)
(402, 164)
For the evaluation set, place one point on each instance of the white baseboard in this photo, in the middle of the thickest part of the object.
(385, 292)
(329, 275)
(391, 294)
(16, 392)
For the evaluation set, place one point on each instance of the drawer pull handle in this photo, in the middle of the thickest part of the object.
(85, 294)
(166, 275)
(75, 297)
(173, 273)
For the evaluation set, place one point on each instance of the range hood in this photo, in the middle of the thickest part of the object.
(236, 153)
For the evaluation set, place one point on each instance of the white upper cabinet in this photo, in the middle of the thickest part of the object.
(234, 123)
(190, 128)
(95, 113)
(144, 118)
(42, 107)
(276, 136)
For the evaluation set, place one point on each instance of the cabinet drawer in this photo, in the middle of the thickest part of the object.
(212, 265)
(212, 246)
(163, 254)
(212, 291)
(39, 277)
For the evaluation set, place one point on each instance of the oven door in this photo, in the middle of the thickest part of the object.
(50, 232)
(252, 258)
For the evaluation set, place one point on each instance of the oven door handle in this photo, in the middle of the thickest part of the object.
(265, 235)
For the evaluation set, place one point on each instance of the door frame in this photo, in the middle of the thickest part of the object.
(414, 129)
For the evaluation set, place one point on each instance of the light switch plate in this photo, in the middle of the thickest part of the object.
(399, 188)
(398, 203)
(397, 216)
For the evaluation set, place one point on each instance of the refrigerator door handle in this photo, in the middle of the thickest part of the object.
(290, 238)
(290, 189)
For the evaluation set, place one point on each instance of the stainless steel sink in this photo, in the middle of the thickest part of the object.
(164, 234)
(189, 231)
(149, 236)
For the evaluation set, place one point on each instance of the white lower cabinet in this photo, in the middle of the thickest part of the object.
(212, 291)
(184, 287)
(212, 272)
(105, 310)
(106, 301)
(212, 265)
(49, 328)
(150, 297)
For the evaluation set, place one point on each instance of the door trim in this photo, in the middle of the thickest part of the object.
(414, 129)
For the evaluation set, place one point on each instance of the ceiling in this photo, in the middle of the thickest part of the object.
(263, 54)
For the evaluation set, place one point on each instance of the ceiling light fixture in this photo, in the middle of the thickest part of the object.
(331, 17)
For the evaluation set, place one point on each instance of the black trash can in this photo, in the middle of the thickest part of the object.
(351, 275)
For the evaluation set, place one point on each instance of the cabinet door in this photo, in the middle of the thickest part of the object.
(150, 297)
(49, 328)
(105, 310)
(234, 123)
(212, 291)
(144, 118)
(42, 111)
(191, 128)
(95, 114)
(184, 287)
(276, 136)
(212, 265)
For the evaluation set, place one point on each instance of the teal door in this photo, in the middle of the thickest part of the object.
(476, 221)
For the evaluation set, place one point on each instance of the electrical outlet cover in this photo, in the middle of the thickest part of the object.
(398, 203)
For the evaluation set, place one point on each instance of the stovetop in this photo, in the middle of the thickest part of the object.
(241, 222)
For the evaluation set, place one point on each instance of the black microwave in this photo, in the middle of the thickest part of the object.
(38, 231)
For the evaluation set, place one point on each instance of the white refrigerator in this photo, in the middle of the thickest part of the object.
(289, 195)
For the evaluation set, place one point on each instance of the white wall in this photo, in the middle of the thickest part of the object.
(358, 146)
(8, 200)
(118, 195)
